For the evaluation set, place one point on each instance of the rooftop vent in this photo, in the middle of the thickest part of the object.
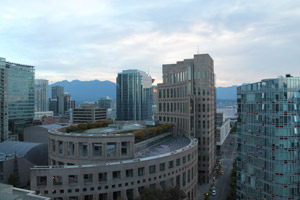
(288, 76)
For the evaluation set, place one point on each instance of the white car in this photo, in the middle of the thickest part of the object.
(214, 192)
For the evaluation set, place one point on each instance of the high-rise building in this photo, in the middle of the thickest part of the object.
(104, 102)
(73, 104)
(41, 95)
(17, 98)
(53, 106)
(67, 102)
(134, 95)
(268, 139)
(3, 101)
(186, 98)
(58, 93)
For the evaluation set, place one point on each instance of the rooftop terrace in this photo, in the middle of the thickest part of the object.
(164, 146)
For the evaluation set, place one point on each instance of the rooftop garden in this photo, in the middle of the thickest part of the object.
(81, 127)
(141, 134)
(150, 132)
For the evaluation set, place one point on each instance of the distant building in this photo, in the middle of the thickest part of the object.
(186, 98)
(104, 102)
(134, 95)
(41, 95)
(220, 118)
(17, 158)
(88, 112)
(17, 99)
(73, 104)
(53, 104)
(39, 115)
(38, 134)
(58, 93)
(67, 102)
(222, 132)
(268, 139)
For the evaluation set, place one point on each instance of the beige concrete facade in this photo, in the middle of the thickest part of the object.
(187, 99)
(116, 177)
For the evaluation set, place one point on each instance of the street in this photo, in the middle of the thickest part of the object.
(223, 181)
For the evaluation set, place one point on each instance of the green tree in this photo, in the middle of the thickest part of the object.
(12, 180)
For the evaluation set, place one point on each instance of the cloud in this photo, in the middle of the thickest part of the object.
(248, 41)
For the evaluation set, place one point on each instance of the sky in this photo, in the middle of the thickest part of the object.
(94, 39)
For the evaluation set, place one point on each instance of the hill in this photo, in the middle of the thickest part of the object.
(87, 90)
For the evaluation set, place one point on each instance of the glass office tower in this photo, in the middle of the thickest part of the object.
(17, 98)
(41, 95)
(268, 162)
(134, 95)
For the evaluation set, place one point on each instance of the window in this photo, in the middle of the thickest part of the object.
(97, 149)
(129, 173)
(184, 159)
(60, 147)
(103, 196)
(171, 164)
(41, 180)
(178, 162)
(72, 179)
(116, 174)
(88, 178)
(102, 177)
(152, 169)
(162, 166)
(57, 180)
(111, 149)
(184, 179)
(125, 148)
(141, 171)
(71, 148)
(83, 149)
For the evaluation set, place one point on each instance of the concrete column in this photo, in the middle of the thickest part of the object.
(104, 150)
(76, 150)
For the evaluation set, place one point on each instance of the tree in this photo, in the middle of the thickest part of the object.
(12, 180)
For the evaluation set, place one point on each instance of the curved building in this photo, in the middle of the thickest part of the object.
(110, 165)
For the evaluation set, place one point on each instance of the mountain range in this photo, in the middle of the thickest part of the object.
(82, 91)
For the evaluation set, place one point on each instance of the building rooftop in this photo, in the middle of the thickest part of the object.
(165, 146)
(51, 126)
(36, 153)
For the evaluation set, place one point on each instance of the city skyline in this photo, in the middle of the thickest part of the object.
(63, 39)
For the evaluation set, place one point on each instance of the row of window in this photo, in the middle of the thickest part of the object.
(180, 92)
(200, 72)
(117, 194)
(129, 173)
(96, 149)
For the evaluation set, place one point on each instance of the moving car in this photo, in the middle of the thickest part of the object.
(214, 192)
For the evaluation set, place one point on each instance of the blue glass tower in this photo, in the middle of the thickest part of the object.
(268, 139)
(134, 95)
(18, 84)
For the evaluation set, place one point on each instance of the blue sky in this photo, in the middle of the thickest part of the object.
(93, 39)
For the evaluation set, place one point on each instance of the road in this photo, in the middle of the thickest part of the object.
(223, 181)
